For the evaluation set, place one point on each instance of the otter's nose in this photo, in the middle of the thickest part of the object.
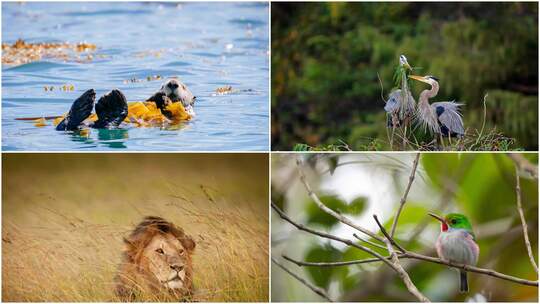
(172, 85)
(177, 267)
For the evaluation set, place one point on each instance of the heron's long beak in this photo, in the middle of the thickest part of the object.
(437, 217)
(419, 78)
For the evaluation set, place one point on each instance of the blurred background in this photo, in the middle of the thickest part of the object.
(64, 217)
(481, 186)
(326, 56)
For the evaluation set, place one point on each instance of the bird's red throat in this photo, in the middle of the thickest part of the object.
(444, 227)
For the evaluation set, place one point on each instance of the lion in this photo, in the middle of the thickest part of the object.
(157, 261)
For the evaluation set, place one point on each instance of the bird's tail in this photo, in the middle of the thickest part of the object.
(463, 284)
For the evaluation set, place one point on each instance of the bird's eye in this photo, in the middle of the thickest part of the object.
(160, 251)
(453, 222)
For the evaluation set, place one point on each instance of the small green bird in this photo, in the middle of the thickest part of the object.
(456, 244)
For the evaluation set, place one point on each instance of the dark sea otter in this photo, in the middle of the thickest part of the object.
(112, 108)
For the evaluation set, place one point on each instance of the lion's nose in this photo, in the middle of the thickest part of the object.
(177, 267)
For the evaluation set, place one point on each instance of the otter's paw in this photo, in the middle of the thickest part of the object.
(80, 110)
(111, 109)
(160, 99)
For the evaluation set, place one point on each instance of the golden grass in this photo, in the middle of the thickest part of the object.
(64, 217)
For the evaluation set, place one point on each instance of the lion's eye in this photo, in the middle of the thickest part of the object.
(160, 251)
(181, 251)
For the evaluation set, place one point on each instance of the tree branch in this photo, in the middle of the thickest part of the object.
(399, 269)
(524, 164)
(329, 211)
(369, 242)
(469, 268)
(389, 238)
(417, 256)
(394, 264)
(404, 197)
(328, 236)
(524, 222)
(315, 289)
(333, 264)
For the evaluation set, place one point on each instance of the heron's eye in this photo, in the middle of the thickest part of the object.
(160, 251)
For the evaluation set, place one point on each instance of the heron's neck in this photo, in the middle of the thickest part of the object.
(427, 94)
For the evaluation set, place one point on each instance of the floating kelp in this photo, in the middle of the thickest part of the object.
(140, 114)
(65, 88)
(148, 78)
(22, 52)
(224, 90)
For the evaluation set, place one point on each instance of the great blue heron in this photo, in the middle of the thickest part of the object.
(400, 105)
(439, 117)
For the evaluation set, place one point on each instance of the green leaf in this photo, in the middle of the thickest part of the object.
(301, 147)
(332, 163)
(322, 276)
(357, 206)
(334, 202)
(317, 216)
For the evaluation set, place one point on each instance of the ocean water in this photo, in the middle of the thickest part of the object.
(206, 45)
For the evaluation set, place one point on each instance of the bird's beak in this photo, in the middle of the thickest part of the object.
(406, 64)
(419, 78)
(437, 217)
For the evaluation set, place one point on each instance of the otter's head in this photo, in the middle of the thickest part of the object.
(177, 91)
(162, 252)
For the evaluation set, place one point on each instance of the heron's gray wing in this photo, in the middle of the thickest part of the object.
(393, 103)
(450, 116)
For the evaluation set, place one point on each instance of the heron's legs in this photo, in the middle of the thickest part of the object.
(442, 142)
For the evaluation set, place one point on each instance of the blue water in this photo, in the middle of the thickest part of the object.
(207, 45)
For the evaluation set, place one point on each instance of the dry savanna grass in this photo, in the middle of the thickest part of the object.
(64, 216)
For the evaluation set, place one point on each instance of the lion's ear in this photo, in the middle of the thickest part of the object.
(187, 242)
(129, 244)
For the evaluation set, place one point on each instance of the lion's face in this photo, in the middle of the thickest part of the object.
(157, 256)
(167, 259)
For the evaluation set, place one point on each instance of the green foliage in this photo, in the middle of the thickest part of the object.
(321, 276)
(317, 216)
(326, 57)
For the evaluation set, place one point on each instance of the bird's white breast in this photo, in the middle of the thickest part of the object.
(457, 246)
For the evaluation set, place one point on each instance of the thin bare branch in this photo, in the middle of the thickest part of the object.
(369, 242)
(404, 197)
(333, 264)
(399, 269)
(329, 211)
(389, 238)
(328, 236)
(315, 289)
(417, 256)
(524, 164)
(524, 222)
(469, 268)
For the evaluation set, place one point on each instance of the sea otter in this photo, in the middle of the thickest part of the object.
(112, 108)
